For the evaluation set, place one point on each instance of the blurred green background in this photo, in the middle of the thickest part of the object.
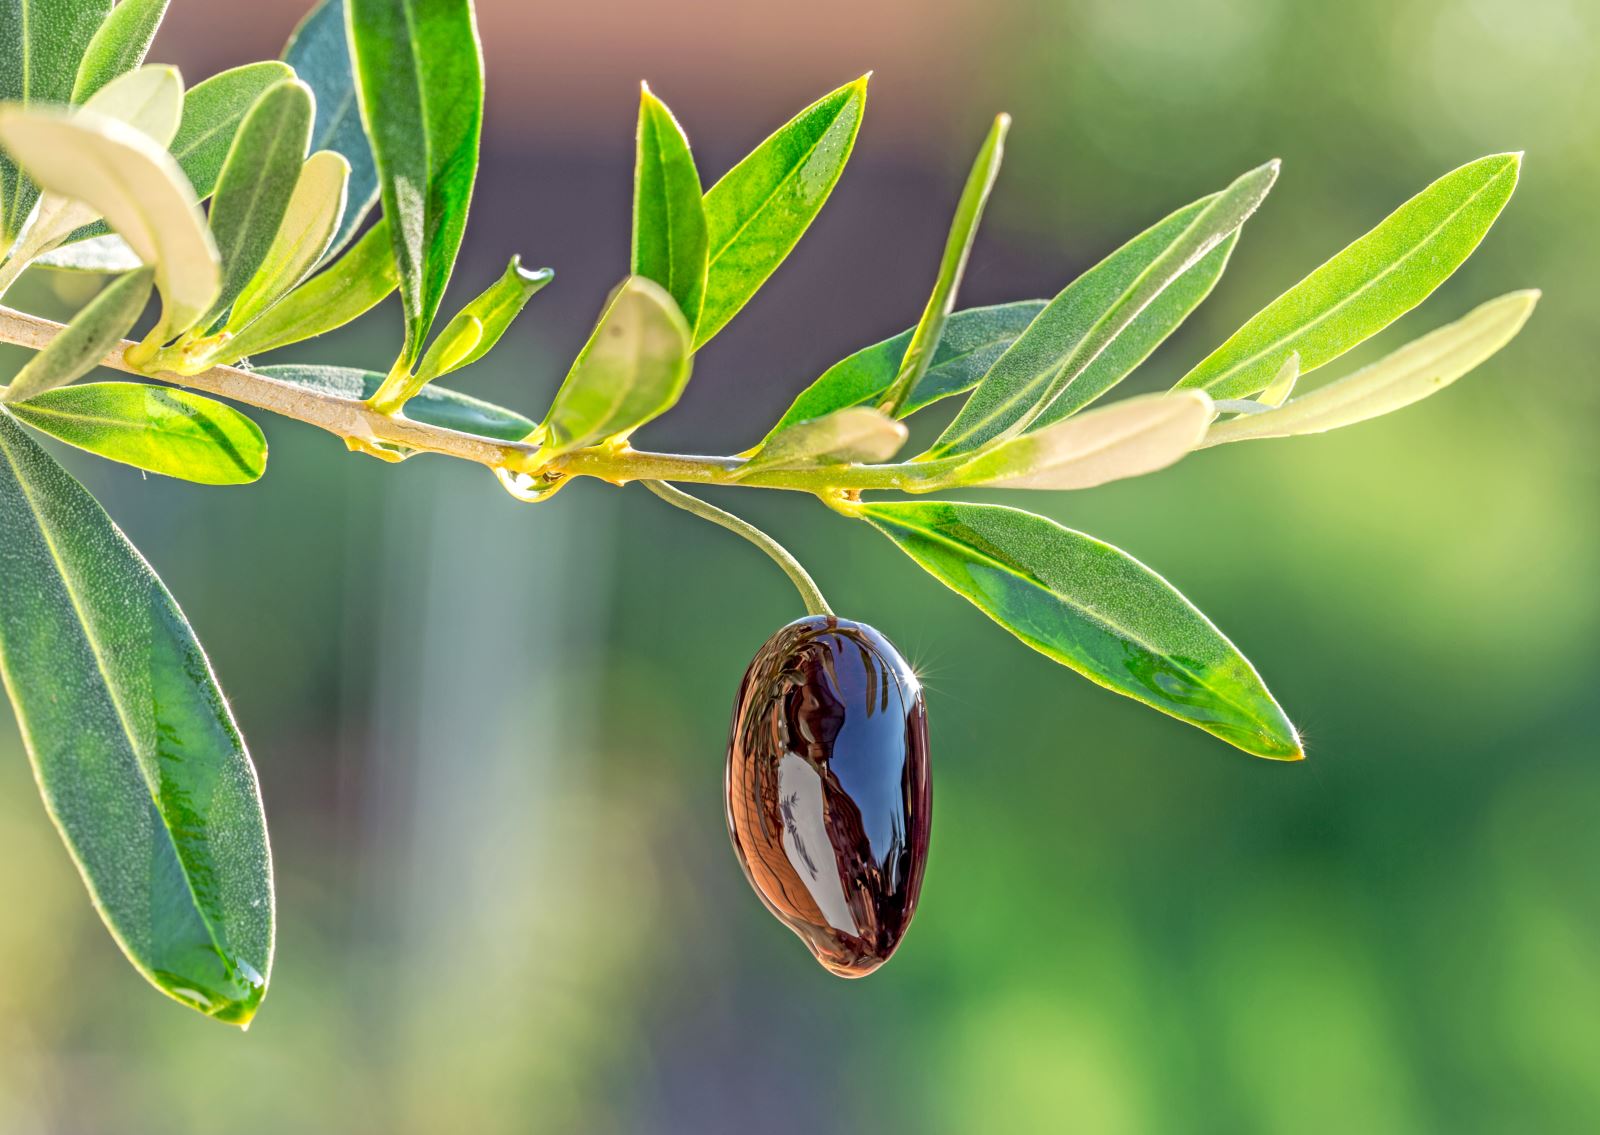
(490, 735)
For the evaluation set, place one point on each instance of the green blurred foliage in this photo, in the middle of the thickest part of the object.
(490, 735)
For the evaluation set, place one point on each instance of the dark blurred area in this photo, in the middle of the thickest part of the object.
(490, 735)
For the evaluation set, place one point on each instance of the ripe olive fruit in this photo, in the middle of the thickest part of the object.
(827, 788)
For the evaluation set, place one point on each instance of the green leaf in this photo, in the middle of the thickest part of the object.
(212, 113)
(1096, 610)
(857, 433)
(1420, 368)
(123, 175)
(435, 405)
(478, 326)
(136, 753)
(1052, 357)
(669, 222)
(1126, 439)
(108, 254)
(41, 42)
(307, 229)
(633, 368)
(1369, 285)
(350, 286)
(257, 181)
(972, 341)
(319, 52)
(420, 76)
(958, 245)
(763, 205)
(173, 432)
(119, 45)
(94, 331)
(1283, 383)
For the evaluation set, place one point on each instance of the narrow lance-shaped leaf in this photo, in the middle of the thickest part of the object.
(669, 222)
(258, 179)
(94, 331)
(176, 433)
(41, 42)
(136, 753)
(963, 230)
(419, 72)
(761, 207)
(1048, 358)
(1126, 439)
(435, 405)
(1096, 609)
(353, 284)
(478, 326)
(1420, 368)
(119, 45)
(308, 227)
(1367, 286)
(137, 186)
(634, 367)
(858, 433)
(319, 52)
(972, 341)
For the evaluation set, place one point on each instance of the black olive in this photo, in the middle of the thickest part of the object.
(827, 788)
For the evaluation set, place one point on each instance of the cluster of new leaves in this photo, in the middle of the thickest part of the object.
(243, 204)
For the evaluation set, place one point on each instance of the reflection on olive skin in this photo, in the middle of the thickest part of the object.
(827, 788)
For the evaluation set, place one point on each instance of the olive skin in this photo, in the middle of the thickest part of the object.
(827, 788)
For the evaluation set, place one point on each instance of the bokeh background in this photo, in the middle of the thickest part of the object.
(490, 735)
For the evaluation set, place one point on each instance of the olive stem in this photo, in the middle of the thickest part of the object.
(809, 592)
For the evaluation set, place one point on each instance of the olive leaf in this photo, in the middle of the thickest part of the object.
(136, 753)
(106, 254)
(258, 179)
(1049, 359)
(137, 186)
(310, 222)
(1095, 609)
(353, 284)
(478, 326)
(1283, 383)
(1126, 439)
(212, 114)
(434, 405)
(41, 44)
(972, 341)
(319, 52)
(634, 367)
(958, 245)
(669, 222)
(173, 432)
(1420, 368)
(1367, 286)
(93, 332)
(760, 208)
(119, 45)
(857, 433)
(419, 74)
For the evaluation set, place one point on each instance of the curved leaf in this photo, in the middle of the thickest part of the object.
(119, 45)
(634, 367)
(761, 207)
(173, 432)
(1420, 368)
(94, 331)
(435, 405)
(1050, 359)
(857, 433)
(478, 326)
(212, 113)
(1367, 286)
(669, 222)
(319, 52)
(309, 223)
(1096, 609)
(41, 43)
(137, 755)
(257, 181)
(419, 71)
(972, 341)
